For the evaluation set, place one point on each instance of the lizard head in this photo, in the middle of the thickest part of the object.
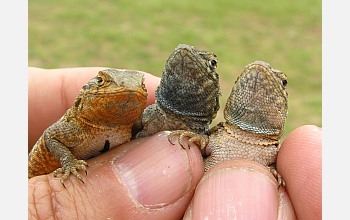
(112, 97)
(258, 101)
(190, 83)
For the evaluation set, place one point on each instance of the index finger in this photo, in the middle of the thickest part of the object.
(52, 92)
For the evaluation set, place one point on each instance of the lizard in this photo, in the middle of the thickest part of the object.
(187, 98)
(255, 115)
(101, 117)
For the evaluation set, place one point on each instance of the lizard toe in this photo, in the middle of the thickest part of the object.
(278, 176)
(72, 167)
(199, 139)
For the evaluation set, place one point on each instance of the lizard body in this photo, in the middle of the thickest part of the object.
(101, 118)
(255, 114)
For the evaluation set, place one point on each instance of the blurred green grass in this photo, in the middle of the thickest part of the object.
(142, 34)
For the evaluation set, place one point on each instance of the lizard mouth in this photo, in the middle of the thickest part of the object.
(117, 92)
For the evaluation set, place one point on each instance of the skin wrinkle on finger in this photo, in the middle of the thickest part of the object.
(43, 199)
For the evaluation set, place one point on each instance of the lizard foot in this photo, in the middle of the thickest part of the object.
(278, 176)
(200, 139)
(71, 167)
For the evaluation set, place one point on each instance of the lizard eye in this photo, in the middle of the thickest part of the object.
(100, 80)
(284, 82)
(213, 63)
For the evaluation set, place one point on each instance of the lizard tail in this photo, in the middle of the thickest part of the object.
(41, 161)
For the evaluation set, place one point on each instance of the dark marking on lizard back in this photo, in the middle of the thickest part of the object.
(105, 147)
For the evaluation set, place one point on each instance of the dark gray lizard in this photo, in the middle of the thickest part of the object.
(187, 98)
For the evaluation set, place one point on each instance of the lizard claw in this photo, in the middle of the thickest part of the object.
(180, 140)
(278, 176)
(71, 167)
(200, 139)
(170, 138)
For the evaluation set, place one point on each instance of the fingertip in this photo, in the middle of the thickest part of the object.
(301, 153)
(307, 135)
(236, 188)
(300, 164)
(151, 83)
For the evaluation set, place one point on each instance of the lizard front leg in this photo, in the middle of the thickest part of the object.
(60, 139)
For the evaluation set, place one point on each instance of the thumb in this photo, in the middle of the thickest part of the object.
(146, 178)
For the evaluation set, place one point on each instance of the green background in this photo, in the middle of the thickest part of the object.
(142, 34)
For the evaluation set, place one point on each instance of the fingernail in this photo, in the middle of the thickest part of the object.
(236, 193)
(156, 173)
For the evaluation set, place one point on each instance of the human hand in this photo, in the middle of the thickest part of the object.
(146, 178)
(124, 186)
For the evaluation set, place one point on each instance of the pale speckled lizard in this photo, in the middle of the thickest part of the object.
(255, 114)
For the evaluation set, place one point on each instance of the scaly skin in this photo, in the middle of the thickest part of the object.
(187, 98)
(255, 114)
(101, 118)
